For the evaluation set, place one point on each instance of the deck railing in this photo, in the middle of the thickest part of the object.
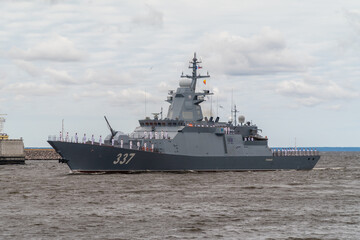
(295, 152)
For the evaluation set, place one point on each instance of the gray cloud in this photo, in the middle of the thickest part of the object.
(58, 48)
(152, 17)
(265, 53)
(28, 67)
(353, 18)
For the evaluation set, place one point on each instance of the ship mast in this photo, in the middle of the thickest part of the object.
(234, 111)
(194, 66)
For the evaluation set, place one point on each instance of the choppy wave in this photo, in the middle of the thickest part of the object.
(41, 200)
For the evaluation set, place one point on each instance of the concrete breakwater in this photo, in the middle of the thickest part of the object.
(12, 151)
(41, 154)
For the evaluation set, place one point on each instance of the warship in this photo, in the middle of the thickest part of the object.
(184, 140)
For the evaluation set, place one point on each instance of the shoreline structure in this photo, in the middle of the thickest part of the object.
(41, 154)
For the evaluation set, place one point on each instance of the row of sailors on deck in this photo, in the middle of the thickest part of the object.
(92, 140)
(227, 130)
(156, 135)
(84, 138)
(294, 151)
(164, 135)
(248, 139)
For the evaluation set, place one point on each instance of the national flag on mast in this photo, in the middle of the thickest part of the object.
(204, 81)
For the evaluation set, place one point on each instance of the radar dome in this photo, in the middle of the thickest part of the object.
(185, 82)
(241, 119)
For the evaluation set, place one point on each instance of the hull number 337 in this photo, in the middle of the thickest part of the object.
(124, 158)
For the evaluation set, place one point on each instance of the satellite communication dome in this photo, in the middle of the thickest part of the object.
(185, 82)
(230, 119)
(241, 119)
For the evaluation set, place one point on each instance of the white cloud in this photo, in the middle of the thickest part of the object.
(164, 86)
(110, 77)
(309, 101)
(101, 52)
(353, 17)
(127, 97)
(57, 48)
(313, 91)
(335, 107)
(31, 89)
(28, 67)
(152, 17)
(265, 53)
(60, 77)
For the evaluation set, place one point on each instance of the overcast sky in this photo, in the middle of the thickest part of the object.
(293, 66)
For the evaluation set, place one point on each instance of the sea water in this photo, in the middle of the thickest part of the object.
(42, 200)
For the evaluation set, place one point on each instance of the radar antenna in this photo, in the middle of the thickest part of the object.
(156, 115)
(194, 65)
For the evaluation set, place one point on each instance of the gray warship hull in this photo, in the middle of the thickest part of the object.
(95, 158)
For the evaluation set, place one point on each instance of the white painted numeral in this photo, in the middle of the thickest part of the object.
(131, 157)
(124, 159)
(117, 158)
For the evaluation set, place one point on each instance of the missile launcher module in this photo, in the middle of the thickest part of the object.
(183, 141)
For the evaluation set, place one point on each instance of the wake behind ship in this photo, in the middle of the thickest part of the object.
(183, 141)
